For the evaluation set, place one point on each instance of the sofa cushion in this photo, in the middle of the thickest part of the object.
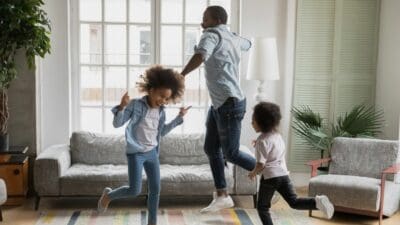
(347, 191)
(191, 179)
(186, 149)
(96, 149)
(364, 157)
(356, 192)
(87, 180)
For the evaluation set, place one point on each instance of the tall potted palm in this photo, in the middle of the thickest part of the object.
(361, 121)
(24, 26)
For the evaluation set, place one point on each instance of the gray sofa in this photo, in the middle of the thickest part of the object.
(92, 161)
(363, 176)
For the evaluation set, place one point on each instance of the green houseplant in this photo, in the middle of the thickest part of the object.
(24, 26)
(361, 121)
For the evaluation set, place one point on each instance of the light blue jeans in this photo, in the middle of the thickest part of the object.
(136, 162)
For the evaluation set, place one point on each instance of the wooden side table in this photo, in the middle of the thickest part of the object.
(14, 171)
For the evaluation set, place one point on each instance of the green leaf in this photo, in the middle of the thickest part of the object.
(362, 121)
(23, 25)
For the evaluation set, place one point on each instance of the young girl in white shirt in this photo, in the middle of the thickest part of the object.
(270, 157)
(146, 125)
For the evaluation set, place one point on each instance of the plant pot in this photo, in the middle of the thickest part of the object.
(4, 142)
(322, 170)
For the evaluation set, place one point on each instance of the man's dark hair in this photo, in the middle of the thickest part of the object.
(267, 115)
(218, 13)
(160, 77)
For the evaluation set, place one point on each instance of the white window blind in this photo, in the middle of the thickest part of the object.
(335, 62)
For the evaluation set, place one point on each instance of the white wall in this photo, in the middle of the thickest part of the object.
(53, 80)
(388, 69)
(270, 18)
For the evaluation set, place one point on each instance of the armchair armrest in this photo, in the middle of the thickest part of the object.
(393, 169)
(315, 164)
(243, 185)
(390, 170)
(50, 165)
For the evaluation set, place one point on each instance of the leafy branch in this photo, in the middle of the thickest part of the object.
(361, 121)
(24, 26)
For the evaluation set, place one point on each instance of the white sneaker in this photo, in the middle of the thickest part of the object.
(215, 195)
(218, 203)
(100, 207)
(323, 204)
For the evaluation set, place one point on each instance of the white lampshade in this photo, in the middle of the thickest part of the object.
(263, 61)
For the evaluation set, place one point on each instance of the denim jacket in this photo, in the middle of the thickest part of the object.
(135, 111)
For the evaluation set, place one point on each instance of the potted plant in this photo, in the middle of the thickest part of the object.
(362, 121)
(24, 27)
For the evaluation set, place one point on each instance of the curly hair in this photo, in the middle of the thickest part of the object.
(158, 77)
(218, 13)
(267, 115)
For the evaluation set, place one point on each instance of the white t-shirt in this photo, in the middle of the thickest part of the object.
(270, 151)
(147, 130)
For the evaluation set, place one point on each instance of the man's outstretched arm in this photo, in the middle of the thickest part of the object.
(194, 63)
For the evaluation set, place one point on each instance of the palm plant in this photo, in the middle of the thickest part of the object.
(361, 121)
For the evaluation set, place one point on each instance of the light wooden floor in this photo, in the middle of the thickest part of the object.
(26, 215)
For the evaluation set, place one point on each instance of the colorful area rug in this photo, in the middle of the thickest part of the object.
(171, 217)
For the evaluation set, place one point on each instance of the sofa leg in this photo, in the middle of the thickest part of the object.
(255, 200)
(37, 202)
(1, 215)
(310, 212)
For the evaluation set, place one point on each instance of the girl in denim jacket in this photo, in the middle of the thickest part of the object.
(145, 128)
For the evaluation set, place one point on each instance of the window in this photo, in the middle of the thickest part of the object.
(114, 41)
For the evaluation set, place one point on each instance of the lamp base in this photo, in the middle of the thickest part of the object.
(260, 95)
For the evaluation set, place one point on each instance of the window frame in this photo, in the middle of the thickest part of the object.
(155, 26)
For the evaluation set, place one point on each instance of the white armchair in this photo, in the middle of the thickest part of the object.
(363, 176)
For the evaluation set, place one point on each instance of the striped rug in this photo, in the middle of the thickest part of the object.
(170, 217)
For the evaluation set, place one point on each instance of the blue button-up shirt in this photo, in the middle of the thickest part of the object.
(221, 50)
(134, 112)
